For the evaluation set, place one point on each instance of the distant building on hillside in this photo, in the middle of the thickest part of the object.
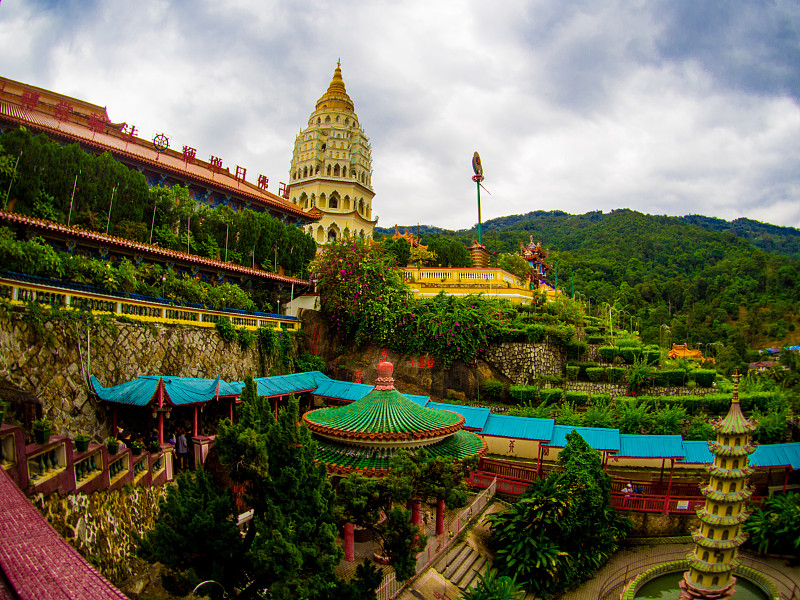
(331, 168)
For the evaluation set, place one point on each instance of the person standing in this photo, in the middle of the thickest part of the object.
(181, 449)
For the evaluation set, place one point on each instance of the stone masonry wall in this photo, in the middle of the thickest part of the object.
(103, 526)
(523, 362)
(53, 360)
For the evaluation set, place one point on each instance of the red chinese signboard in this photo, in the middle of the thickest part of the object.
(188, 154)
(263, 182)
(240, 173)
(215, 164)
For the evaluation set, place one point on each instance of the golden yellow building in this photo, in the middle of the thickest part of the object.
(331, 170)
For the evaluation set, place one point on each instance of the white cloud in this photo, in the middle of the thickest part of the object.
(573, 106)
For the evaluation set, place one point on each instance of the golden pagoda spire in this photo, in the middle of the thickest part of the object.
(336, 97)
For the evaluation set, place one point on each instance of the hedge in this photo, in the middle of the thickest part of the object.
(608, 353)
(595, 374)
(630, 353)
(595, 339)
(704, 377)
(572, 372)
(522, 393)
(535, 333)
(576, 348)
(629, 343)
(652, 355)
(550, 395)
(601, 399)
(615, 374)
(583, 366)
(577, 398)
(492, 389)
(560, 334)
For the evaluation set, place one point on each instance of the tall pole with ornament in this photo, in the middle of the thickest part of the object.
(477, 167)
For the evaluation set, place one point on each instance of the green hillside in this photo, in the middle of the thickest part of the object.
(678, 279)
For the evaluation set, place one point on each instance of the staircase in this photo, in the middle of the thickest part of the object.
(461, 565)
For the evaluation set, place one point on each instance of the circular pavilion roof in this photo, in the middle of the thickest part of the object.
(384, 416)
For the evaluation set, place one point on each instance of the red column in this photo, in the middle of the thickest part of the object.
(276, 408)
(349, 542)
(416, 512)
(160, 427)
(440, 517)
(194, 423)
(233, 401)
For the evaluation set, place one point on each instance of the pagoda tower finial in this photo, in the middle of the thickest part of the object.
(717, 539)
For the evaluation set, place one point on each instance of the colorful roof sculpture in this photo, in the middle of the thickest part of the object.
(177, 391)
(365, 435)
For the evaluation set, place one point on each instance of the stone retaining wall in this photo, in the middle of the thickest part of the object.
(104, 526)
(615, 389)
(523, 362)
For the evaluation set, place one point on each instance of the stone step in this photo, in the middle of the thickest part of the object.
(453, 559)
(470, 579)
(466, 567)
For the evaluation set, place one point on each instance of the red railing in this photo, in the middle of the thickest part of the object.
(504, 468)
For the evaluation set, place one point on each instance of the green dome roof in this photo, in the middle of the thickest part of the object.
(345, 458)
(383, 415)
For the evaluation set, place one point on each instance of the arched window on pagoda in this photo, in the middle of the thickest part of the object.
(733, 486)
(738, 442)
(336, 171)
(705, 556)
(724, 534)
(331, 235)
(715, 510)
(715, 581)
(711, 534)
(700, 579)
(719, 486)
(736, 463)
(329, 171)
(729, 511)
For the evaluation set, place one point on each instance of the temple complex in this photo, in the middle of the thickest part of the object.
(717, 539)
(331, 168)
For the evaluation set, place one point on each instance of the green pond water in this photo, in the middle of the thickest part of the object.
(665, 587)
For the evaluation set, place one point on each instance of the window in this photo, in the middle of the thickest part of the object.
(705, 556)
(738, 442)
(715, 581)
(729, 511)
(719, 486)
(736, 464)
(733, 486)
(331, 235)
(711, 534)
(715, 510)
(333, 203)
(724, 534)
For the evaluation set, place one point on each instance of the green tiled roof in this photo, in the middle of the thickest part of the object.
(383, 414)
(734, 422)
(345, 458)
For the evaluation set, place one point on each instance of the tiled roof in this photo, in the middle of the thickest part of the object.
(597, 437)
(150, 250)
(734, 422)
(345, 458)
(382, 415)
(178, 391)
(38, 564)
(345, 390)
(282, 385)
(776, 455)
(475, 417)
(143, 152)
(521, 428)
(651, 446)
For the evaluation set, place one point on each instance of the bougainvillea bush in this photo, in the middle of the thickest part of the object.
(366, 301)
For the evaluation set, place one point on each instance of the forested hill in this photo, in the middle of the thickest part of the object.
(688, 278)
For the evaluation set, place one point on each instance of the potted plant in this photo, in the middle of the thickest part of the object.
(42, 428)
(112, 444)
(82, 441)
(136, 447)
(154, 447)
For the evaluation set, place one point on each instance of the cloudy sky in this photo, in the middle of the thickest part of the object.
(663, 106)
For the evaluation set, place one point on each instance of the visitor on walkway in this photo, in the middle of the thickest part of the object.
(627, 490)
(181, 449)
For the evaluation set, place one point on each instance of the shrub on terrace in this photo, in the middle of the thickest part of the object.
(576, 398)
(492, 390)
(523, 393)
(551, 395)
(595, 374)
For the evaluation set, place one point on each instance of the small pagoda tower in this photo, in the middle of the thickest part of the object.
(717, 539)
(535, 255)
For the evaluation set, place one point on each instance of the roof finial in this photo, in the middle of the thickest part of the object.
(339, 63)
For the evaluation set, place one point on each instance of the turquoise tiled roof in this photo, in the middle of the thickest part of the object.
(597, 437)
(282, 385)
(776, 455)
(344, 390)
(475, 417)
(179, 391)
(521, 428)
(651, 446)
(696, 452)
